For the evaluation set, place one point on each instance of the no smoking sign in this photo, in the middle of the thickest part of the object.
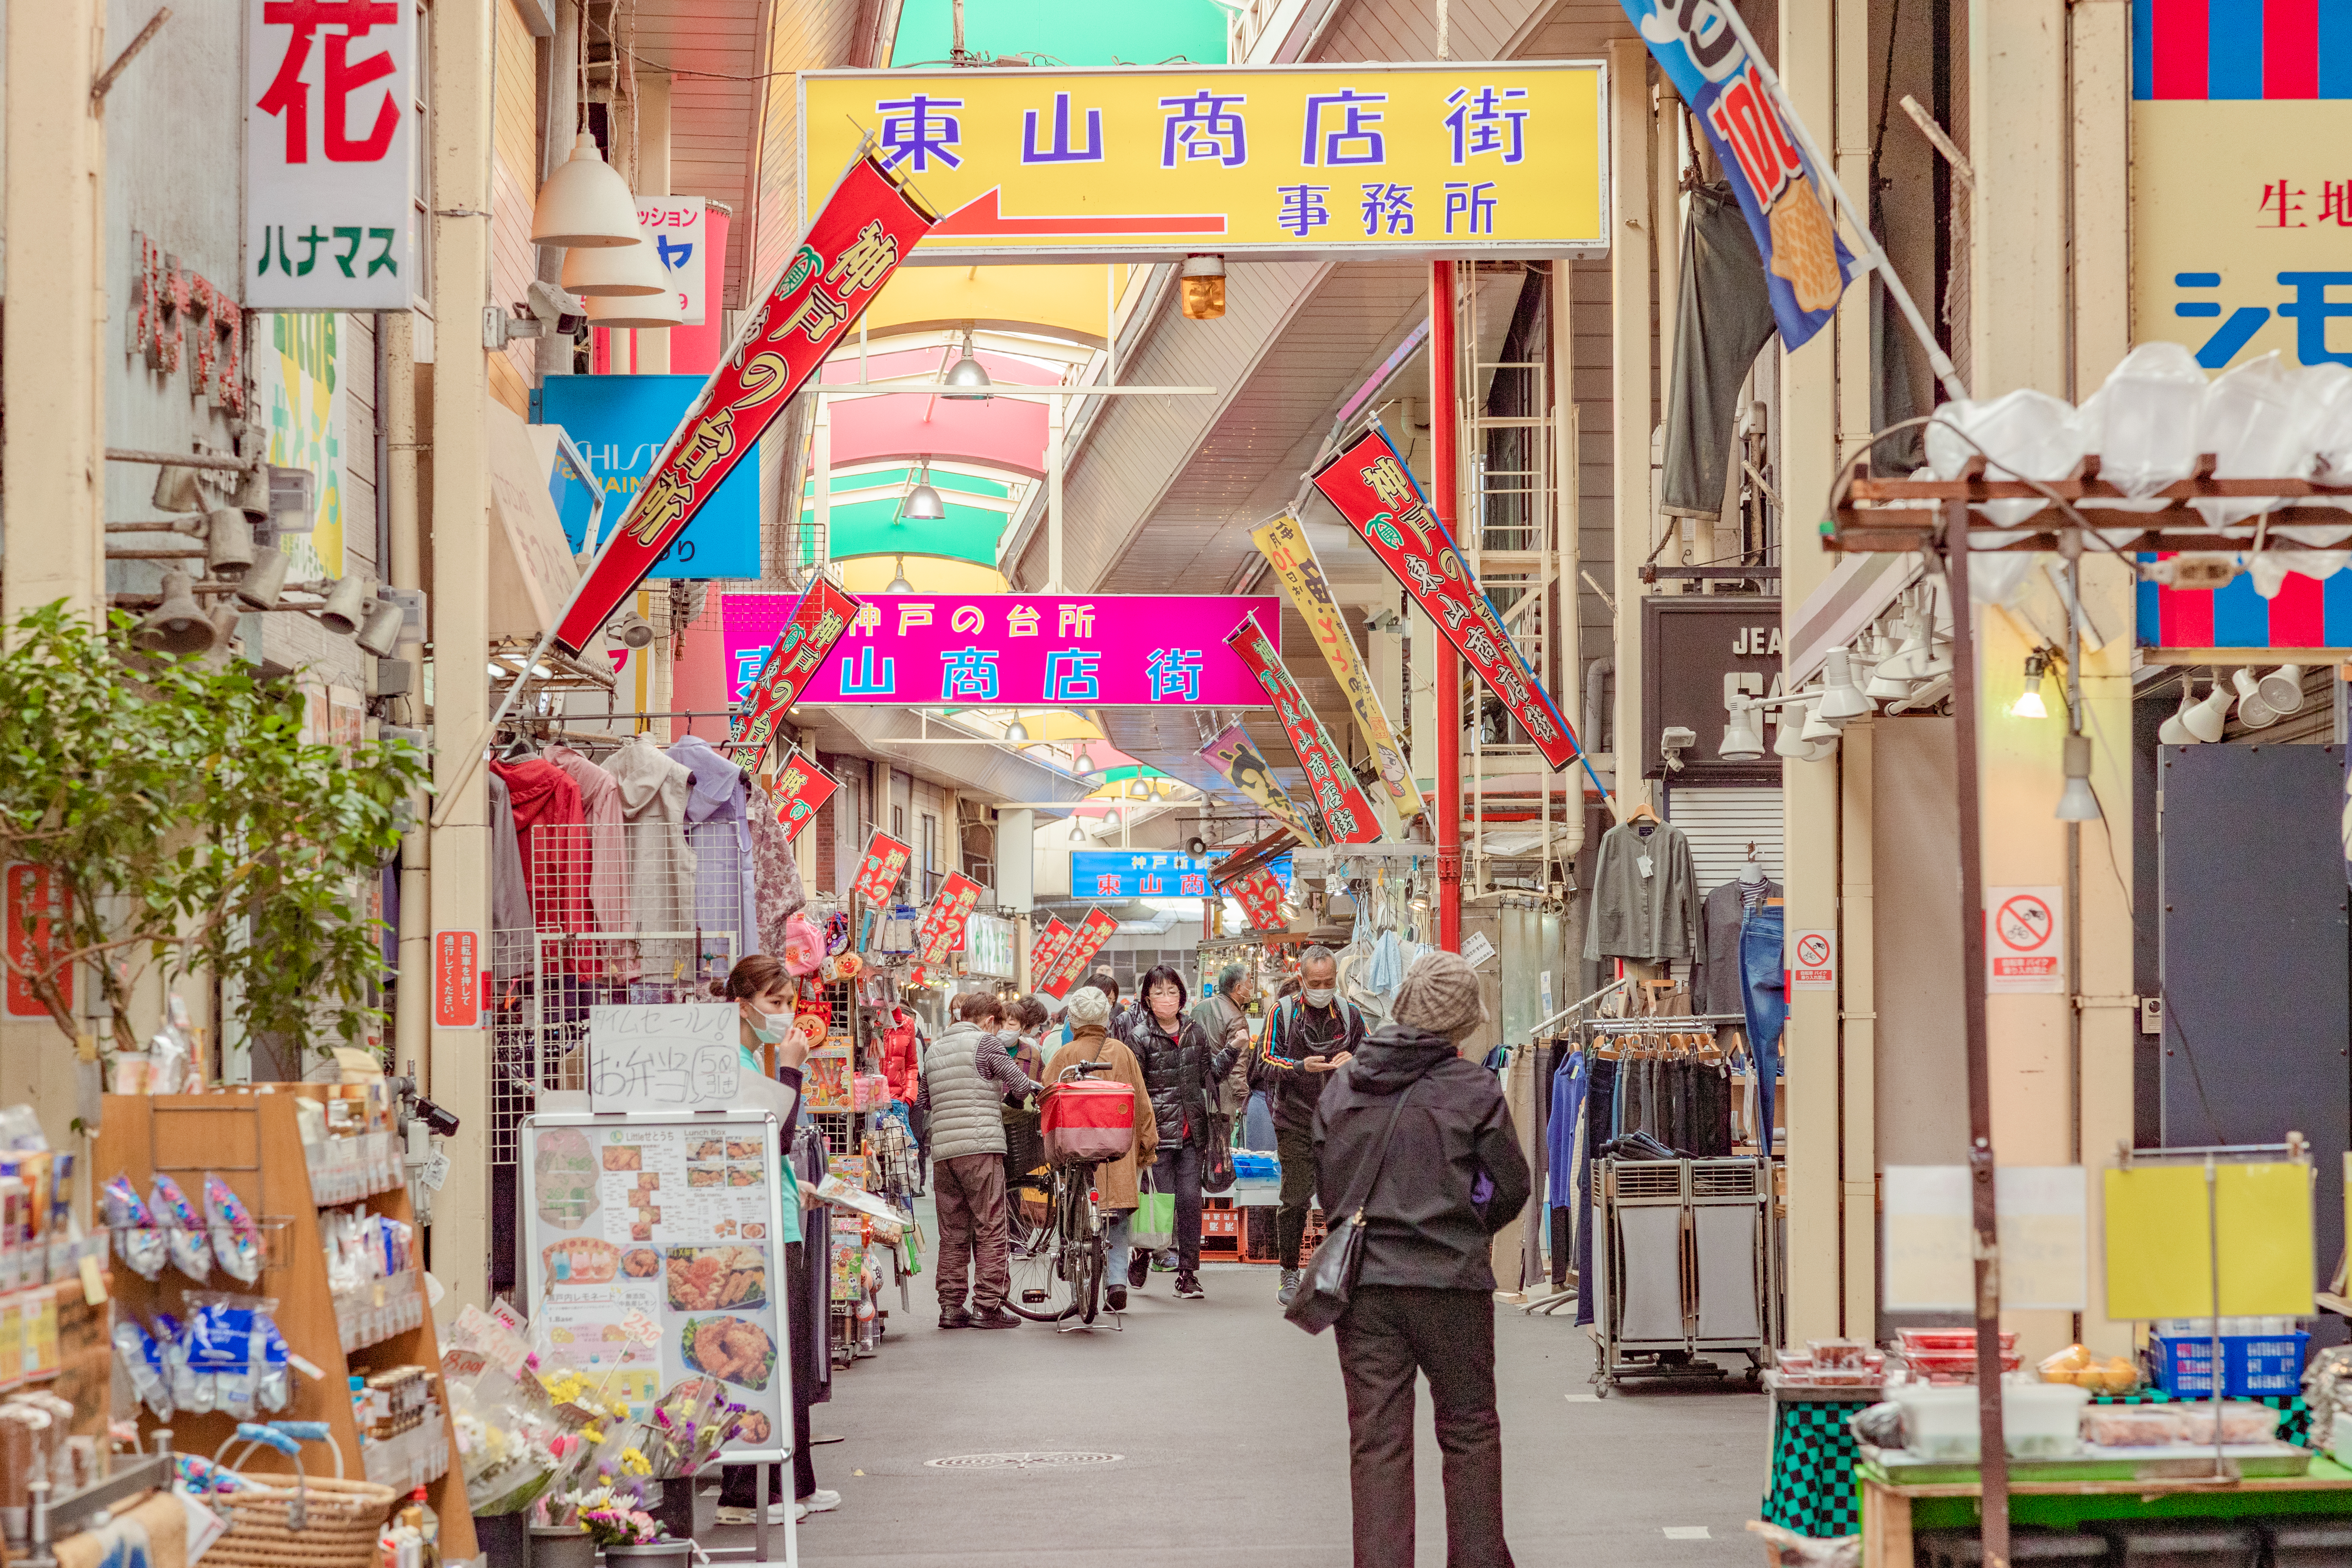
(2024, 941)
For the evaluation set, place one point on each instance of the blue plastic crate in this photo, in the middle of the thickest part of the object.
(2252, 1364)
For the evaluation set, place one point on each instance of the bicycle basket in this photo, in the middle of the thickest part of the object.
(1087, 1123)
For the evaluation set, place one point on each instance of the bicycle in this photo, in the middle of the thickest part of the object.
(1058, 1266)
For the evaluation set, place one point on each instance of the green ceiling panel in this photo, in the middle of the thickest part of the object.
(875, 528)
(1072, 32)
(941, 479)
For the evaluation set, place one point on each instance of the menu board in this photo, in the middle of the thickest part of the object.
(651, 1245)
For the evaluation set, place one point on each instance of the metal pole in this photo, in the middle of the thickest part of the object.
(1055, 412)
(1994, 1459)
(1444, 484)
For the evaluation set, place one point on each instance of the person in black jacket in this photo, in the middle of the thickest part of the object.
(1310, 1038)
(1452, 1175)
(1181, 1068)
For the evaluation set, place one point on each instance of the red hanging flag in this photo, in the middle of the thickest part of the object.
(877, 874)
(1260, 893)
(1084, 943)
(800, 789)
(944, 922)
(1045, 949)
(865, 228)
(1348, 816)
(810, 633)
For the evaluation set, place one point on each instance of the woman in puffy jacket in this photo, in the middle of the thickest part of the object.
(1181, 1069)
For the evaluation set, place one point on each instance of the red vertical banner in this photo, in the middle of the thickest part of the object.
(1045, 949)
(1085, 943)
(33, 910)
(1373, 489)
(959, 895)
(800, 789)
(865, 228)
(457, 976)
(878, 872)
(1260, 892)
(810, 633)
(1348, 816)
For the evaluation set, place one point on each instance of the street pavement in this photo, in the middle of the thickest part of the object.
(1231, 1433)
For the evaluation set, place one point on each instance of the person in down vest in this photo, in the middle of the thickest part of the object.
(967, 1077)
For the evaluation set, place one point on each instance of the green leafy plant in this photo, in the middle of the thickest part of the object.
(180, 824)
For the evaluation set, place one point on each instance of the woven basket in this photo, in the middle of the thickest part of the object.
(341, 1520)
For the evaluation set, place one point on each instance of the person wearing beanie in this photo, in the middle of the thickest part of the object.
(1090, 1041)
(1432, 1193)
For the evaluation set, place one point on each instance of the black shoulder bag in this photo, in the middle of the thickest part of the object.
(1331, 1281)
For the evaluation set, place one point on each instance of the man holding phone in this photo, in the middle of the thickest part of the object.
(1312, 1035)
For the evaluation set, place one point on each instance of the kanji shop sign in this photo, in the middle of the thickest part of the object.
(35, 904)
(1364, 159)
(1261, 899)
(1021, 649)
(1347, 817)
(943, 922)
(1378, 495)
(879, 873)
(1232, 753)
(1071, 961)
(1283, 544)
(1048, 944)
(799, 787)
(809, 634)
(678, 230)
(331, 155)
(865, 228)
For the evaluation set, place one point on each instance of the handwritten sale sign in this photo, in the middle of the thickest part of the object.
(663, 1058)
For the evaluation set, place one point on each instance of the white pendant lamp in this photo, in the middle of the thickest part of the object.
(2174, 730)
(1791, 741)
(1890, 680)
(641, 312)
(899, 583)
(613, 272)
(585, 204)
(2029, 703)
(2282, 688)
(2204, 720)
(968, 378)
(923, 503)
(2077, 802)
(1743, 741)
(1840, 701)
(1818, 730)
(2254, 711)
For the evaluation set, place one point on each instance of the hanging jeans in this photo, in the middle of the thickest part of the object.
(1764, 979)
(1599, 1099)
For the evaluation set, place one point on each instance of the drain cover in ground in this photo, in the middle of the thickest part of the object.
(1019, 1461)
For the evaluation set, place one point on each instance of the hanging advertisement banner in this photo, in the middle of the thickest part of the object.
(1283, 544)
(678, 230)
(1367, 159)
(1071, 962)
(1806, 264)
(799, 787)
(298, 392)
(329, 156)
(1232, 753)
(943, 922)
(884, 863)
(1046, 948)
(1261, 899)
(620, 423)
(865, 228)
(1378, 495)
(974, 651)
(1347, 817)
(807, 639)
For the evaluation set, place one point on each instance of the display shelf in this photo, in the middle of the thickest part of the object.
(380, 1309)
(252, 1140)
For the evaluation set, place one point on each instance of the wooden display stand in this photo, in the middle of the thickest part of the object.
(253, 1142)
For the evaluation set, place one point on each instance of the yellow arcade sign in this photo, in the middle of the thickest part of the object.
(1463, 158)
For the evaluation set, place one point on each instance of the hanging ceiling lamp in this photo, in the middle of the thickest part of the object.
(642, 312)
(899, 584)
(585, 204)
(2076, 802)
(1017, 732)
(923, 503)
(1743, 739)
(613, 272)
(2029, 703)
(969, 381)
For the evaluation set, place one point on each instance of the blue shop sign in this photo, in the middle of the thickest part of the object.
(1149, 874)
(621, 423)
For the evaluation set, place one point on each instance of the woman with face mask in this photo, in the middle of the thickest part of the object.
(1181, 1068)
(764, 996)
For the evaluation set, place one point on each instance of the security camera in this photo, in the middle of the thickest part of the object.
(1672, 742)
(569, 312)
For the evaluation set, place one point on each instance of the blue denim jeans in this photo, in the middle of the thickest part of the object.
(1764, 981)
(1118, 1225)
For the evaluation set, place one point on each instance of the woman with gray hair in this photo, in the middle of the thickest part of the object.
(1091, 1041)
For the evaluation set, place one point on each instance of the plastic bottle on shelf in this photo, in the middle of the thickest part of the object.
(419, 1513)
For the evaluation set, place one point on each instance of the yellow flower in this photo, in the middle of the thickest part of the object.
(592, 1433)
(636, 1463)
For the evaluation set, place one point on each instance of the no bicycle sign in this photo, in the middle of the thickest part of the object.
(2024, 940)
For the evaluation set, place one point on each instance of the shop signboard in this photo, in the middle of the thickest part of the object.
(1782, 197)
(943, 921)
(2025, 940)
(34, 906)
(1261, 899)
(1071, 962)
(331, 158)
(1046, 948)
(804, 643)
(799, 787)
(1698, 651)
(651, 1252)
(1378, 495)
(1154, 873)
(1283, 544)
(1020, 650)
(2307, 613)
(1347, 817)
(620, 423)
(878, 871)
(1232, 753)
(677, 227)
(1348, 160)
(861, 233)
(297, 394)
(988, 946)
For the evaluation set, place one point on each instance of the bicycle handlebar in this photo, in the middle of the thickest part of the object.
(1083, 1069)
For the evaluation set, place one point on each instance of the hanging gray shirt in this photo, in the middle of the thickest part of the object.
(1638, 917)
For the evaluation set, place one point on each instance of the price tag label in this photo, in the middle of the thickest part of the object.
(436, 1172)
(641, 1328)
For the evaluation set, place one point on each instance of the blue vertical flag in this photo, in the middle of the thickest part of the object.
(1787, 202)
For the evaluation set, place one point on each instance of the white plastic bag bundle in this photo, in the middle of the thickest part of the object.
(2148, 413)
(2252, 425)
(2024, 434)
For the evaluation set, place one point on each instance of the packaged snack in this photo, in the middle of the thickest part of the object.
(1827, 1354)
(142, 1362)
(2131, 1425)
(142, 1247)
(192, 1250)
(237, 1240)
(2243, 1421)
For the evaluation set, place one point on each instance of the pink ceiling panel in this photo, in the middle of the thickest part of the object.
(1000, 431)
(933, 361)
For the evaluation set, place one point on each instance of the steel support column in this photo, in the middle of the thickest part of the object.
(1444, 489)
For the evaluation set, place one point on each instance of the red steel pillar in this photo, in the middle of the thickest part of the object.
(1445, 485)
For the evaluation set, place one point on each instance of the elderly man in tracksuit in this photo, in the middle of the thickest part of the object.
(1313, 1034)
(967, 1077)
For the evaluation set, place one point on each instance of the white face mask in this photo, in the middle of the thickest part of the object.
(1321, 997)
(1009, 1033)
(773, 1027)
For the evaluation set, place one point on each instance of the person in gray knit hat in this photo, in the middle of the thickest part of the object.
(1432, 1193)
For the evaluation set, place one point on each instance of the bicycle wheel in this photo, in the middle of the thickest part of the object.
(1087, 1255)
(1040, 1289)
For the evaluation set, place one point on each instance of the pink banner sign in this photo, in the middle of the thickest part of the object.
(1026, 650)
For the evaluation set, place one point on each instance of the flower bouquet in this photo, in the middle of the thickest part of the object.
(693, 1421)
(612, 1519)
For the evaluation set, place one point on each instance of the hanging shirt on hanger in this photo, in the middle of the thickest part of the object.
(1644, 895)
(717, 825)
(599, 806)
(777, 891)
(510, 884)
(660, 862)
(1716, 984)
(549, 833)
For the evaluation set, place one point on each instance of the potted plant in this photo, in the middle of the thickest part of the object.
(630, 1534)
